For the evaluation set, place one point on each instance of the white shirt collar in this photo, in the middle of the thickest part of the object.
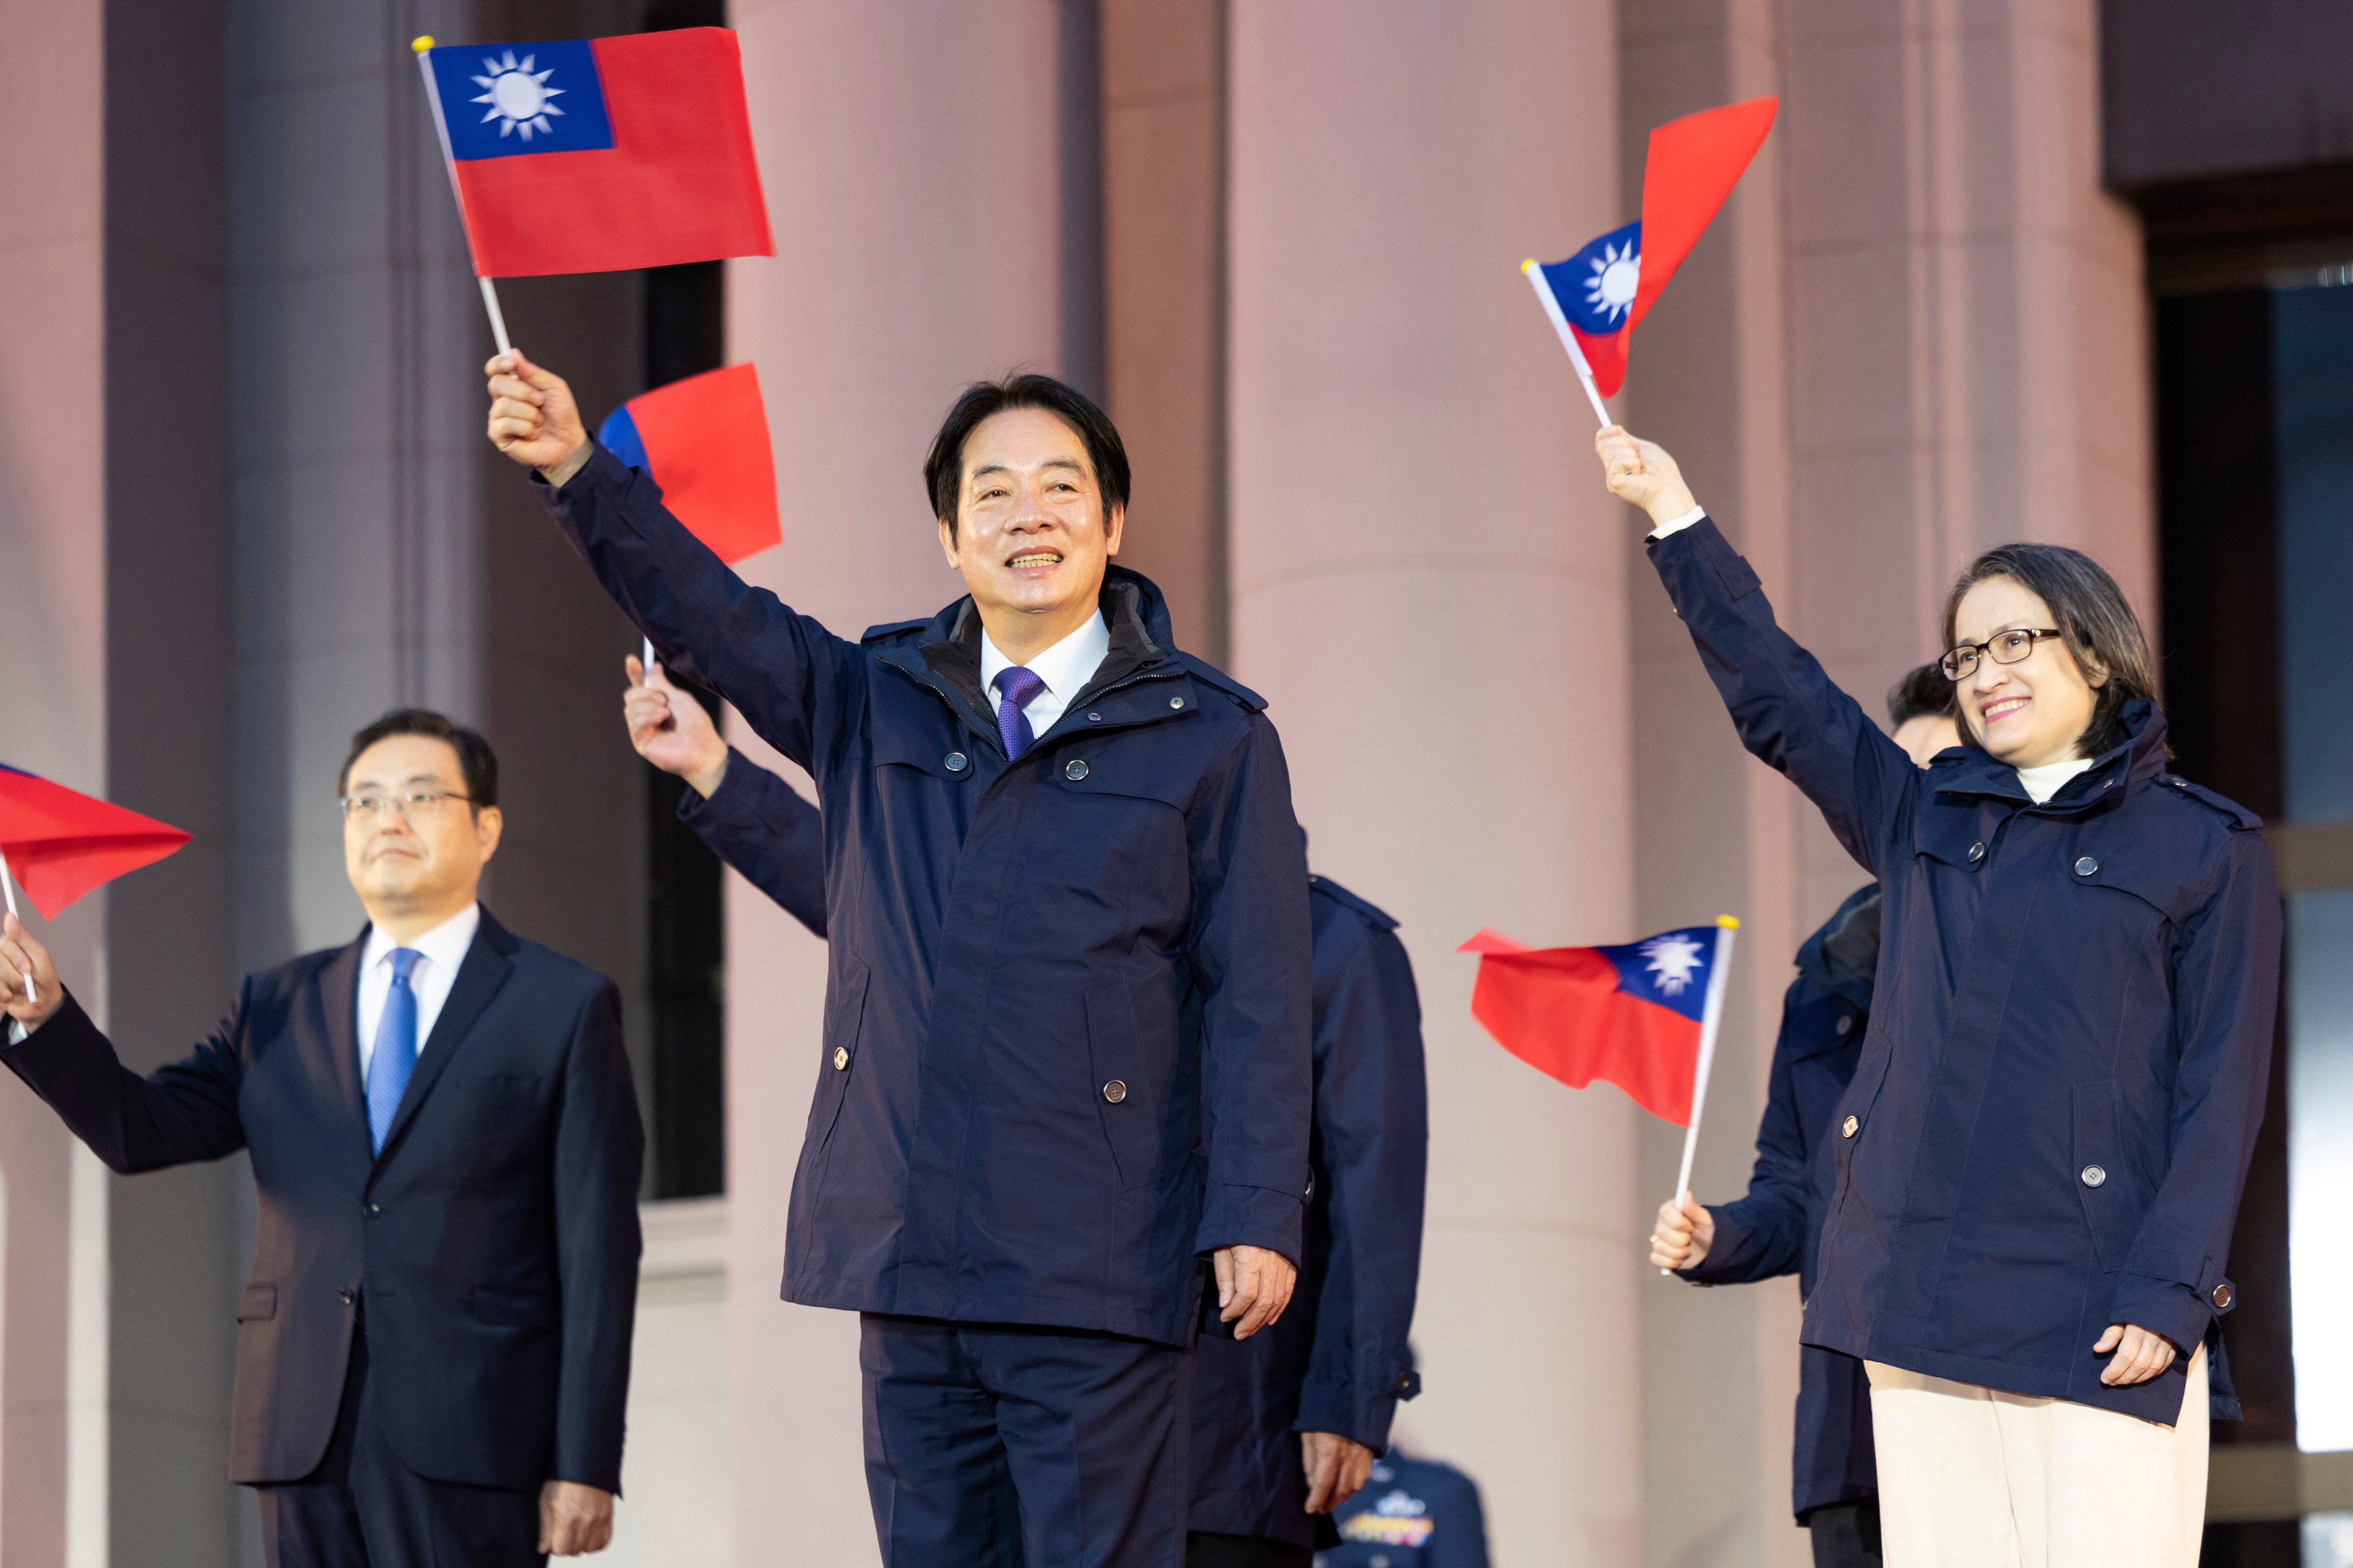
(1065, 668)
(445, 944)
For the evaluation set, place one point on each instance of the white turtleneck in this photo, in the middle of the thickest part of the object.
(2047, 780)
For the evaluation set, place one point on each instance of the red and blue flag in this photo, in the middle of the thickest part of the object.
(61, 843)
(599, 154)
(704, 440)
(1638, 1015)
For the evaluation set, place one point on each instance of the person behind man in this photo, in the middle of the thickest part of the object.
(433, 1353)
(1415, 1513)
(1771, 1231)
(1070, 946)
(1287, 1426)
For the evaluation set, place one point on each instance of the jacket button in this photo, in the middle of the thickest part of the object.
(1175, 702)
(2086, 866)
(1977, 853)
(2223, 1297)
(955, 762)
(372, 1210)
(1404, 1381)
(1075, 769)
(343, 1296)
(840, 1058)
(1095, 718)
(2094, 1176)
(1116, 1091)
(1851, 1126)
(1846, 1023)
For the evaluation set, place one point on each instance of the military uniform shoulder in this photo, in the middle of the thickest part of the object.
(2239, 818)
(1370, 913)
(1218, 680)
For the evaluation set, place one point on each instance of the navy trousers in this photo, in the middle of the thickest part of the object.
(1003, 1446)
(362, 1508)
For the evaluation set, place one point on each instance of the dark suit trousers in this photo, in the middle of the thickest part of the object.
(362, 1508)
(1004, 1445)
(1845, 1534)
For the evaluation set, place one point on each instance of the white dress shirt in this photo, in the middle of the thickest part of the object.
(1677, 524)
(443, 948)
(1066, 668)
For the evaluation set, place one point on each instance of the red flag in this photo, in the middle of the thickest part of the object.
(602, 154)
(60, 843)
(1635, 1015)
(704, 440)
(1691, 166)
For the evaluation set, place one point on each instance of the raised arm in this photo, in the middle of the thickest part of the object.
(797, 684)
(182, 1113)
(1789, 712)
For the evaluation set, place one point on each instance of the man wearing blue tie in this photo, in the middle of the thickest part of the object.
(433, 1353)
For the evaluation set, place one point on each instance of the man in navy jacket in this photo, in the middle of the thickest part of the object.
(1069, 945)
(1834, 1487)
(433, 1353)
(1287, 1426)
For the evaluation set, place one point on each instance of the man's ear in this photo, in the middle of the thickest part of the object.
(948, 544)
(1114, 525)
(489, 825)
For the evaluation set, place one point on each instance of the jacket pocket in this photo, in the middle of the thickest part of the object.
(257, 1305)
(845, 1028)
(1855, 1108)
(1122, 1086)
(2104, 1184)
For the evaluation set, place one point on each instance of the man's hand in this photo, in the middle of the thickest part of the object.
(1253, 1285)
(1682, 1236)
(21, 956)
(1337, 1469)
(574, 1519)
(533, 419)
(1641, 471)
(670, 730)
(2140, 1354)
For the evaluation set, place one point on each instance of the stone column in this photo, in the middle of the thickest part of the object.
(931, 170)
(1428, 585)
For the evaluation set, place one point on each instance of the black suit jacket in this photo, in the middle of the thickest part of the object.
(493, 1243)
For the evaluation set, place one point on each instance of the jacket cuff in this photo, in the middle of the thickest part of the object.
(600, 1471)
(692, 803)
(2167, 1307)
(1251, 1216)
(1709, 1271)
(61, 1030)
(1360, 1413)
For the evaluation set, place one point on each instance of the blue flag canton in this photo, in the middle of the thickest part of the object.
(1670, 969)
(521, 98)
(618, 435)
(1596, 287)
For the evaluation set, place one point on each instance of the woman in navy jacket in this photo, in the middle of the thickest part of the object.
(2039, 1159)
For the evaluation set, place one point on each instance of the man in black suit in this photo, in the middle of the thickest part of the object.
(433, 1353)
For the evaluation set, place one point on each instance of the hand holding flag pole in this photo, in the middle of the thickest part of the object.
(8, 886)
(1718, 973)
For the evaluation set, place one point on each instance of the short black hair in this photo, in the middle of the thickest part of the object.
(477, 764)
(1923, 693)
(944, 467)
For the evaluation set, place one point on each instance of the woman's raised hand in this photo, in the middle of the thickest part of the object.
(1641, 472)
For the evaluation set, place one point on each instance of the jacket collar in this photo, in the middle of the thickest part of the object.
(2139, 757)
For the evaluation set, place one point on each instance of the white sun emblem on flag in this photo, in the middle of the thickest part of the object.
(1674, 960)
(1611, 290)
(518, 95)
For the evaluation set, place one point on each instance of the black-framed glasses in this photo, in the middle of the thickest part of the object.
(414, 804)
(2002, 647)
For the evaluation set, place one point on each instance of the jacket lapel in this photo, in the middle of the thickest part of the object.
(485, 969)
(339, 999)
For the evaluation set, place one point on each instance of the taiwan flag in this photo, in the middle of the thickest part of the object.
(704, 440)
(1597, 297)
(60, 843)
(599, 154)
(1642, 1015)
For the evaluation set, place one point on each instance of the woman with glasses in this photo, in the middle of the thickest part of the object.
(2039, 1159)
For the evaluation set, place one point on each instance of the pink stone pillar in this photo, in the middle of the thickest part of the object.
(1427, 586)
(930, 230)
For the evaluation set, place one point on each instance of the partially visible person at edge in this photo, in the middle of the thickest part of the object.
(1287, 1426)
(2041, 1157)
(1414, 1512)
(433, 1352)
(1005, 1170)
(1825, 1017)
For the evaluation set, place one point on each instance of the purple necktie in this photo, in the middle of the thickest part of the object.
(1015, 687)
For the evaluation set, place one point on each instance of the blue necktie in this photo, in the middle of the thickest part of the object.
(394, 1056)
(1016, 686)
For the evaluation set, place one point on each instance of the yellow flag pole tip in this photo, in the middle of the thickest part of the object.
(1729, 922)
(1529, 264)
(421, 43)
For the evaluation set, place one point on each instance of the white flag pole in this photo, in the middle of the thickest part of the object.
(423, 48)
(1719, 974)
(8, 888)
(1536, 277)
(649, 659)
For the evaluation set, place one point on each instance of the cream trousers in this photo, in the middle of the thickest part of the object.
(1973, 1478)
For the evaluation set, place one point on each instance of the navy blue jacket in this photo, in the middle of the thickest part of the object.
(1774, 1230)
(2051, 1124)
(1045, 976)
(1338, 1361)
(1413, 1513)
(492, 1243)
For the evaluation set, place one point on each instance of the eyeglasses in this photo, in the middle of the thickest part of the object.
(2004, 647)
(414, 805)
